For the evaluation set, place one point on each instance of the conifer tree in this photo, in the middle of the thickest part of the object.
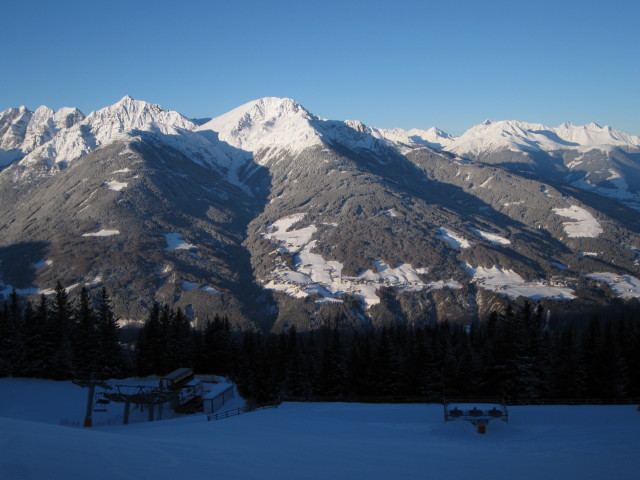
(85, 337)
(61, 364)
(110, 357)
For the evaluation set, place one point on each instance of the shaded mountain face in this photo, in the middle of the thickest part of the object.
(276, 217)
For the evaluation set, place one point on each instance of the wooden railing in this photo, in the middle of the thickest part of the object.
(239, 411)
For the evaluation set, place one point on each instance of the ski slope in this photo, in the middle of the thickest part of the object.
(312, 441)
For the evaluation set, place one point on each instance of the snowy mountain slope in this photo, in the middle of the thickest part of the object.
(110, 219)
(265, 123)
(490, 136)
(598, 159)
(275, 216)
(125, 120)
(22, 131)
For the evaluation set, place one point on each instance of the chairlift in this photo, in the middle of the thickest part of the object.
(99, 402)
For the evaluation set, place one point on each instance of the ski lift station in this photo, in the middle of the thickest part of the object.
(179, 390)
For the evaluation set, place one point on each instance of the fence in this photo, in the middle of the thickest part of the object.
(440, 400)
(239, 411)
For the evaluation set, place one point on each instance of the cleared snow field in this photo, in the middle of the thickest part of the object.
(452, 239)
(313, 275)
(625, 286)
(313, 441)
(507, 282)
(117, 186)
(175, 241)
(583, 224)
(492, 238)
(102, 233)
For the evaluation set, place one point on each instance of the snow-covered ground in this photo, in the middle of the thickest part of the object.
(507, 282)
(625, 286)
(117, 186)
(492, 238)
(452, 239)
(582, 223)
(313, 275)
(312, 441)
(175, 241)
(102, 233)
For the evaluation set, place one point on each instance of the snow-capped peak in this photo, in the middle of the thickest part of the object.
(129, 114)
(117, 121)
(592, 135)
(24, 131)
(265, 123)
(492, 136)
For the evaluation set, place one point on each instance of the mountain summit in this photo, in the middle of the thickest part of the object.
(276, 217)
(266, 123)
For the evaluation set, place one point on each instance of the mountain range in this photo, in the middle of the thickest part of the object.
(275, 217)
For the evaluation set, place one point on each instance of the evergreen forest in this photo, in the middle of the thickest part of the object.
(518, 354)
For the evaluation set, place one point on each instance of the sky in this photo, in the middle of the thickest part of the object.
(409, 64)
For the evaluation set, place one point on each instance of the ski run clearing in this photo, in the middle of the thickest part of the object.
(582, 223)
(311, 441)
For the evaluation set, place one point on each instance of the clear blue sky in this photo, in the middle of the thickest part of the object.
(451, 64)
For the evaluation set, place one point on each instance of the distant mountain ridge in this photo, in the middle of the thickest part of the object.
(276, 216)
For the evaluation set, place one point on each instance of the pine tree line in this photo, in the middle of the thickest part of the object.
(515, 354)
(60, 338)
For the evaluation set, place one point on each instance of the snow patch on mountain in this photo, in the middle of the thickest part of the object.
(620, 190)
(625, 286)
(291, 240)
(509, 283)
(176, 241)
(452, 239)
(313, 275)
(102, 233)
(492, 238)
(582, 223)
(208, 289)
(115, 185)
(42, 263)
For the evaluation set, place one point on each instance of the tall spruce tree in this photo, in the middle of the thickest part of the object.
(110, 356)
